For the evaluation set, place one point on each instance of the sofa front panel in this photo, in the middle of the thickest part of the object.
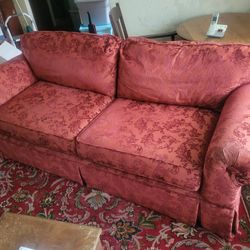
(163, 199)
(51, 115)
(83, 61)
(160, 197)
(149, 193)
(183, 73)
(57, 163)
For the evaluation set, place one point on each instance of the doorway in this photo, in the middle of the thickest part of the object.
(52, 14)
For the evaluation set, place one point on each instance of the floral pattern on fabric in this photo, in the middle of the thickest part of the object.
(15, 76)
(183, 73)
(162, 142)
(50, 115)
(80, 60)
(227, 165)
(111, 180)
(126, 226)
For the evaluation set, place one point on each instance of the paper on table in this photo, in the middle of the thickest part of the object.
(8, 51)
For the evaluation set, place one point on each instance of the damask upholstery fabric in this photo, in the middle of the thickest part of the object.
(143, 191)
(162, 198)
(79, 60)
(57, 163)
(15, 76)
(161, 142)
(183, 73)
(50, 115)
(227, 165)
(220, 220)
(157, 153)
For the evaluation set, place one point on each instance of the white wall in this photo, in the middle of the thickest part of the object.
(144, 17)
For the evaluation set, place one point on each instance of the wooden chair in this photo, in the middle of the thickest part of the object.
(117, 22)
(119, 27)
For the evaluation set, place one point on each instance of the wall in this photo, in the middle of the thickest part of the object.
(144, 17)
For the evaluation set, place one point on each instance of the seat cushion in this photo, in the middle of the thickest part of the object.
(50, 115)
(161, 142)
(69, 58)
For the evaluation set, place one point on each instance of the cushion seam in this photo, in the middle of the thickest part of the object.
(145, 157)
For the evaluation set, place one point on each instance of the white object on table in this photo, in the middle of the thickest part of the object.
(25, 248)
(8, 51)
(215, 29)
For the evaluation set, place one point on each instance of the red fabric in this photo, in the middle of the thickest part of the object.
(135, 149)
(220, 220)
(50, 115)
(160, 142)
(79, 60)
(178, 203)
(15, 76)
(113, 181)
(62, 165)
(125, 225)
(227, 165)
(136, 189)
(184, 73)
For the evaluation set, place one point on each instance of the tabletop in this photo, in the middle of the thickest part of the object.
(238, 30)
(18, 230)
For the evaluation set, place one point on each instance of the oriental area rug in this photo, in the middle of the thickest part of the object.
(125, 225)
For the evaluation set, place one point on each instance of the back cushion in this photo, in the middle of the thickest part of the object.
(183, 73)
(79, 60)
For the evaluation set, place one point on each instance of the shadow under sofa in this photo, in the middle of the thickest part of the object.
(159, 124)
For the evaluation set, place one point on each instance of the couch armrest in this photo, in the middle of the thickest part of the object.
(227, 163)
(15, 76)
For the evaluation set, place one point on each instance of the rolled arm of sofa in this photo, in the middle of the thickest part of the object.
(15, 76)
(227, 163)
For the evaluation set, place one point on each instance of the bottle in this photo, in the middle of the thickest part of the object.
(91, 26)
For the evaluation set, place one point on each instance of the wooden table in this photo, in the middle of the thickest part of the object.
(238, 30)
(40, 234)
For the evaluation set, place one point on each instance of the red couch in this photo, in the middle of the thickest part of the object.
(165, 125)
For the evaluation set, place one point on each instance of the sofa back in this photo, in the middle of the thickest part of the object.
(182, 73)
(79, 60)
